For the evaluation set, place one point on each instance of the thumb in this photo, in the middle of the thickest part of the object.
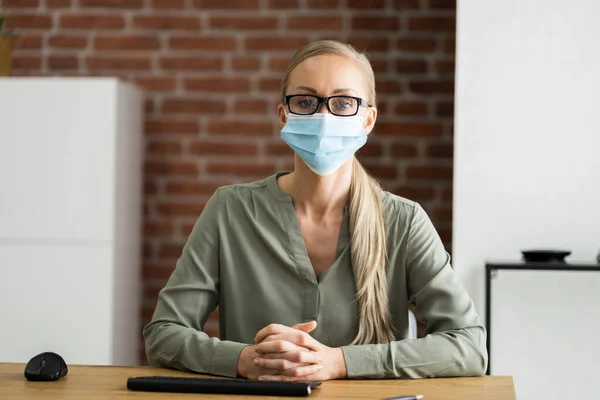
(306, 326)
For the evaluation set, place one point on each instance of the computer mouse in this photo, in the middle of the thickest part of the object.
(46, 366)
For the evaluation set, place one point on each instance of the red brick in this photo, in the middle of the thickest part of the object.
(323, 4)
(220, 43)
(19, 4)
(412, 108)
(156, 83)
(450, 46)
(443, 4)
(158, 229)
(26, 62)
(192, 188)
(375, 23)
(157, 271)
(444, 109)
(250, 106)
(406, 4)
(92, 21)
(242, 23)
(118, 63)
(150, 188)
(409, 130)
(193, 106)
(272, 85)
(254, 169)
(123, 42)
(174, 249)
(278, 148)
(404, 150)
(67, 42)
(279, 64)
(191, 63)
(171, 208)
(245, 63)
(58, 4)
(432, 24)
(63, 62)
(166, 22)
(441, 214)
(149, 106)
(370, 43)
(217, 85)
(371, 150)
(283, 4)
(366, 4)
(226, 4)
(168, 4)
(171, 167)
(163, 147)
(447, 194)
(415, 45)
(432, 87)
(440, 150)
(208, 147)
(380, 66)
(28, 42)
(416, 193)
(127, 4)
(314, 23)
(275, 43)
(411, 66)
(165, 126)
(29, 21)
(429, 172)
(381, 171)
(444, 67)
(388, 86)
(238, 127)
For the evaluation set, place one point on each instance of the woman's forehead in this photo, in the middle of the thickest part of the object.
(327, 73)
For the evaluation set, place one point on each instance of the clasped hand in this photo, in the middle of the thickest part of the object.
(283, 353)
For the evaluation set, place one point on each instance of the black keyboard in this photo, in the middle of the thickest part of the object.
(220, 386)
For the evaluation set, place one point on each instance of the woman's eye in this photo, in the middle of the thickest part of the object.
(344, 104)
(306, 103)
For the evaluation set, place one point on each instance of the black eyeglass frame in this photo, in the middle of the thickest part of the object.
(360, 101)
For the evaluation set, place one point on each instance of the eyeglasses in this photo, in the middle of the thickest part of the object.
(342, 106)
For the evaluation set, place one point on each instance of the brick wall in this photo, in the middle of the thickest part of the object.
(212, 71)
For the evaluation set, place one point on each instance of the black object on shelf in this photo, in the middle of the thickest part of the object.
(490, 269)
(545, 255)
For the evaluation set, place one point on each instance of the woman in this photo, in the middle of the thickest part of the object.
(313, 270)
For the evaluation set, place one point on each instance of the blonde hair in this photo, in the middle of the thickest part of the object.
(367, 229)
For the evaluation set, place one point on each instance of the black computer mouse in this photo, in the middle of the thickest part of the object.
(46, 366)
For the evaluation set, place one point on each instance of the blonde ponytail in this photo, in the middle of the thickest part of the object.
(369, 258)
(367, 228)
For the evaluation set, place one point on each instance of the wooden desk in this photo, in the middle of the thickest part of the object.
(97, 382)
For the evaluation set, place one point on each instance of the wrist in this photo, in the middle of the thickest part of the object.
(241, 365)
(341, 372)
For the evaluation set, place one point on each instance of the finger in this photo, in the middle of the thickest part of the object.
(271, 329)
(306, 326)
(298, 373)
(303, 357)
(277, 346)
(277, 365)
(296, 337)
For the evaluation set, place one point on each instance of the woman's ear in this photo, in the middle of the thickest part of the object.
(370, 119)
(282, 116)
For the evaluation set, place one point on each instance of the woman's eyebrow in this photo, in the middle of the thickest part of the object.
(346, 90)
(308, 89)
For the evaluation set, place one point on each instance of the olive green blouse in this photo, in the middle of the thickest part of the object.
(246, 254)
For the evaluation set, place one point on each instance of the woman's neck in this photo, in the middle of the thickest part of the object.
(318, 197)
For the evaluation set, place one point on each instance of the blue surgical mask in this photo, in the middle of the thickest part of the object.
(324, 141)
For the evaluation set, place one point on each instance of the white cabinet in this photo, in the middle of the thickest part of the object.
(71, 154)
